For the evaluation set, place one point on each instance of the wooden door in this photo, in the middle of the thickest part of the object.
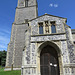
(49, 63)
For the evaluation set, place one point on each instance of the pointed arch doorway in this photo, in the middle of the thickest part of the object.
(49, 64)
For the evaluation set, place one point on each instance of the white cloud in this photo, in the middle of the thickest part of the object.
(53, 5)
(3, 46)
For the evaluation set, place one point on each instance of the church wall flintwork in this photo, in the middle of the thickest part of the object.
(31, 34)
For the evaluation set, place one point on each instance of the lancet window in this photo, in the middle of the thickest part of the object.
(47, 27)
(53, 27)
(40, 28)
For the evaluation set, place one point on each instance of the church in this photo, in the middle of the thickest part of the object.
(40, 45)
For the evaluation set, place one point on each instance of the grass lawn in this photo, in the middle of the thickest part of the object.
(2, 72)
(1, 69)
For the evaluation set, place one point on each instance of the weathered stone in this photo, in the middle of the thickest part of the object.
(26, 44)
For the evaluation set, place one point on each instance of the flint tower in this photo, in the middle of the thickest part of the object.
(26, 10)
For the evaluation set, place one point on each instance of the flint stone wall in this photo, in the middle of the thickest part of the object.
(59, 23)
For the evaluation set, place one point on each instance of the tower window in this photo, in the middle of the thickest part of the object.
(40, 28)
(26, 3)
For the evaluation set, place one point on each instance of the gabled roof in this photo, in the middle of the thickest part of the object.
(49, 15)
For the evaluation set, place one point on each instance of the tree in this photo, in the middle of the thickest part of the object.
(3, 57)
(0, 56)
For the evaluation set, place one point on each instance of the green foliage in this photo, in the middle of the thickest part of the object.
(2, 63)
(2, 57)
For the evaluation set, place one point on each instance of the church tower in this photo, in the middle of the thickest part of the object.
(25, 11)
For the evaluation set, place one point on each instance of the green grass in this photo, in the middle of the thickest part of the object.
(1, 69)
(2, 72)
(10, 73)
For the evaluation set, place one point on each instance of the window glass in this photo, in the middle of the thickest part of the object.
(53, 28)
(46, 28)
(40, 28)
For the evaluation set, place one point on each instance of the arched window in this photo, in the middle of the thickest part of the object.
(53, 28)
(26, 3)
(40, 28)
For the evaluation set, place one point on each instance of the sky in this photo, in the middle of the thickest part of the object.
(62, 8)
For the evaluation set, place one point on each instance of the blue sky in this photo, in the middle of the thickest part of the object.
(62, 8)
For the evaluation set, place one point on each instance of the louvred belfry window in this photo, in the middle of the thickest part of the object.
(49, 62)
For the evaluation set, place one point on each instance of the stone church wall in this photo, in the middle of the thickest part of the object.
(59, 24)
(16, 46)
(25, 13)
(19, 44)
(62, 39)
(26, 43)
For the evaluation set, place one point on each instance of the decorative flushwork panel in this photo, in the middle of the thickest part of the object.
(71, 52)
(29, 71)
(59, 28)
(27, 47)
(33, 53)
(64, 52)
(69, 71)
(71, 47)
(73, 71)
(34, 30)
(48, 38)
(27, 55)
